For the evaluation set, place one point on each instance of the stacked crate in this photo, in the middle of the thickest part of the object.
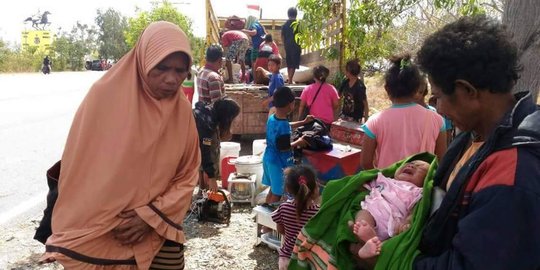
(237, 126)
(253, 115)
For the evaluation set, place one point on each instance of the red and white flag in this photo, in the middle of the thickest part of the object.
(254, 7)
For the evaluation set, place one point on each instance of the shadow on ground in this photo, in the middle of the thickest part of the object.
(265, 257)
(31, 262)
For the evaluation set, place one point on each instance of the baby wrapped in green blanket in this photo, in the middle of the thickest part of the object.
(387, 210)
(324, 242)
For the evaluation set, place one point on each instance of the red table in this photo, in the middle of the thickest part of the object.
(341, 161)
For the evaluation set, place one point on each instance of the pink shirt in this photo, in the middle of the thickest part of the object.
(232, 35)
(403, 130)
(322, 107)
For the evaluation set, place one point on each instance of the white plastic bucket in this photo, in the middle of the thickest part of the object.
(250, 165)
(258, 147)
(228, 149)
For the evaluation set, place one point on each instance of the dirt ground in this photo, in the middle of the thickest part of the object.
(209, 246)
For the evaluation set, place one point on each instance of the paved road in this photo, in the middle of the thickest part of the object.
(36, 111)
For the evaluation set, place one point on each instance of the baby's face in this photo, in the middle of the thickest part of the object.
(413, 172)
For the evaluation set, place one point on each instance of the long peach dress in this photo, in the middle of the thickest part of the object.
(126, 151)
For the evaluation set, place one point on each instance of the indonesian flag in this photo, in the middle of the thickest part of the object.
(254, 7)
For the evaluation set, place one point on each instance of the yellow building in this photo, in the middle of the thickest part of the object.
(42, 39)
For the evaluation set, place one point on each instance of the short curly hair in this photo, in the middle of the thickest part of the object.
(403, 77)
(476, 49)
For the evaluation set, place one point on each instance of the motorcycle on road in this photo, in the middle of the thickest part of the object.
(46, 69)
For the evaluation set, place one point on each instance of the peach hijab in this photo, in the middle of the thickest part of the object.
(126, 151)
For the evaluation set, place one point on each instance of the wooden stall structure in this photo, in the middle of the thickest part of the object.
(253, 115)
(334, 29)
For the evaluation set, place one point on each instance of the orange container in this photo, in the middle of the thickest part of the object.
(218, 196)
(227, 167)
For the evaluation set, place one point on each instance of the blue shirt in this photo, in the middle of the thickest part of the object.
(257, 39)
(276, 128)
(447, 122)
(276, 81)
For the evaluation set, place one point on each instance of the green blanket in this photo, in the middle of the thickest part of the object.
(324, 241)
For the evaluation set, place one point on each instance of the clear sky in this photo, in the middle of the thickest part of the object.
(66, 13)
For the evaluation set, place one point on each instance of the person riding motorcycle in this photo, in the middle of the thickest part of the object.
(46, 69)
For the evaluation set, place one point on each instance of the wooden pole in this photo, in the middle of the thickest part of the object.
(342, 33)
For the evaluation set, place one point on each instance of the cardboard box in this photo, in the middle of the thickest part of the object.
(347, 132)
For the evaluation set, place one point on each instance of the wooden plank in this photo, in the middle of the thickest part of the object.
(253, 116)
(331, 21)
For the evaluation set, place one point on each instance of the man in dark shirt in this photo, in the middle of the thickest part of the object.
(292, 49)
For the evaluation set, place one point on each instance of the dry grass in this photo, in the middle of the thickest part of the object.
(376, 95)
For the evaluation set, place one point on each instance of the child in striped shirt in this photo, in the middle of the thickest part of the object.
(292, 215)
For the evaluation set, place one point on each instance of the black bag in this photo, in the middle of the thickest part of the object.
(308, 106)
(44, 230)
(316, 135)
(212, 210)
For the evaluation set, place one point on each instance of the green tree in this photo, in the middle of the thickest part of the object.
(4, 54)
(162, 11)
(71, 47)
(197, 49)
(18, 60)
(111, 27)
(409, 36)
(366, 33)
(375, 28)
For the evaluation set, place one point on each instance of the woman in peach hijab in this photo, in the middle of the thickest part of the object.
(130, 163)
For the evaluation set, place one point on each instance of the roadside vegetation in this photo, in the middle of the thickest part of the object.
(373, 30)
(112, 35)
